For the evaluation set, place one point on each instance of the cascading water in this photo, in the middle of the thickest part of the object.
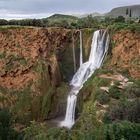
(99, 47)
(81, 44)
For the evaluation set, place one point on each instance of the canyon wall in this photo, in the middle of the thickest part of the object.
(36, 65)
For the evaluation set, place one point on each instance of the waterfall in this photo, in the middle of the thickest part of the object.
(81, 51)
(99, 48)
(73, 52)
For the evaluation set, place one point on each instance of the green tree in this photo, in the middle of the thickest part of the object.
(87, 22)
(74, 25)
(120, 19)
(130, 13)
(3, 22)
(126, 11)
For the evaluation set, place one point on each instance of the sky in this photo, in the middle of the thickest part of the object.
(19, 9)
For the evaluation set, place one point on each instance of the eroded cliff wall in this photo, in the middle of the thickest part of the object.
(35, 66)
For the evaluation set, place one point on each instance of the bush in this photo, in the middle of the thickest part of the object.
(132, 91)
(53, 133)
(3, 22)
(35, 131)
(6, 129)
(125, 72)
(106, 118)
(87, 22)
(115, 92)
(5, 123)
(104, 82)
(120, 19)
(2, 55)
(123, 111)
(123, 131)
(137, 82)
(135, 27)
(22, 105)
(103, 98)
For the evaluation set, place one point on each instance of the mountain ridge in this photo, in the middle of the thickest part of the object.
(115, 12)
(121, 11)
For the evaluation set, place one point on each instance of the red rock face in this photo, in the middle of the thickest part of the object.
(126, 53)
(42, 56)
(20, 49)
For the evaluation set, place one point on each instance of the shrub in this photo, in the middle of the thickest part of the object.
(113, 44)
(35, 131)
(53, 133)
(4, 90)
(103, 98)
(126, 73)
(132, 91)
(115, 92)
(137, 82)
(106, 118)
(24, 62)
(125, 26)
(123, 131)
(23, 104)
(2, 55)
(104, 82)
(18, 45)
(6, 129)
(120, 19)
(122, 111)
(5, 123)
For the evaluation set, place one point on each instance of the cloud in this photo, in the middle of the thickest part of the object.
(38, 8)
(14, 15)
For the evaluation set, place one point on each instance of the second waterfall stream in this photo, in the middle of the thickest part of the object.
(99, 48)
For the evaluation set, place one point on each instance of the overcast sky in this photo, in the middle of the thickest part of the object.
(17, 9)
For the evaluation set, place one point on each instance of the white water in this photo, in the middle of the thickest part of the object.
(81, 51)
(99, 47)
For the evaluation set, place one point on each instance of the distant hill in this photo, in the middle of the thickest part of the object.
(61, 20)
(58, 17)
(62, 16)
(121, 11)
(95, 14)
